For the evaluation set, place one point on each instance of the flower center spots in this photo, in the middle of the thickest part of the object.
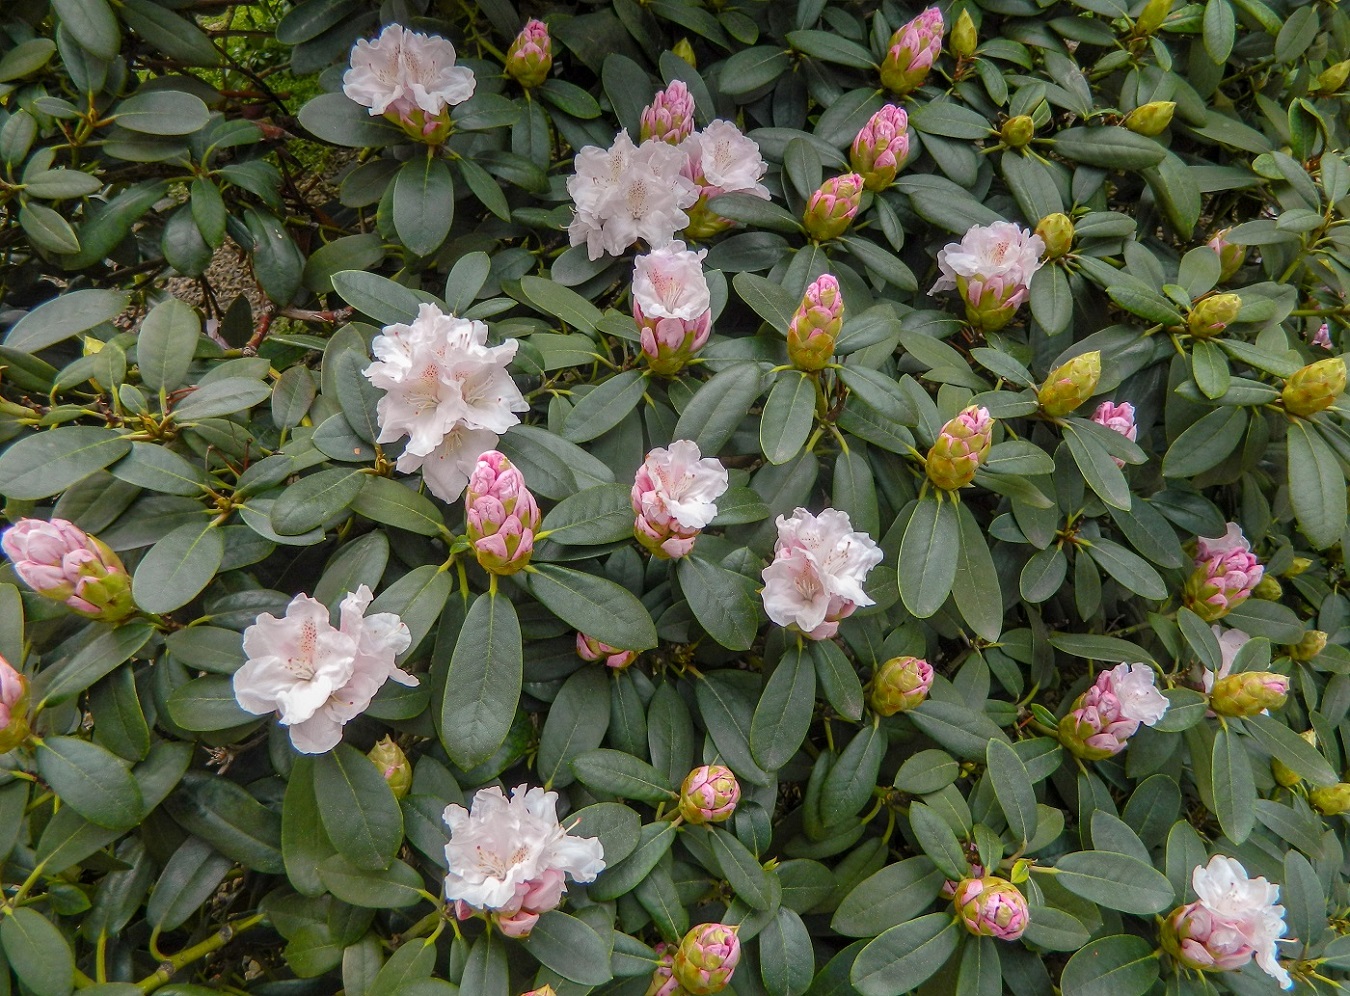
(302, 665)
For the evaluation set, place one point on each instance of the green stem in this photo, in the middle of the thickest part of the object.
(187, 956)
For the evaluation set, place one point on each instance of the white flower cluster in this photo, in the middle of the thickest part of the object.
(819, 566)
(630, 192)
(318, 677)
(447, 391)
(403, 70)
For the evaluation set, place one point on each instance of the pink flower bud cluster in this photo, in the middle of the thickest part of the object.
(13, 707)
(674, 497)
(1225, 573)
(591, 649)
(707, 958)
(961, 447)
(881, 147)
(1105, 716)
(913, 50)
(663, 978)
(709, 794)
(530, 56)
(991, 907)
(502, 515)
(60, 561)
(832, 207)
(670, 116)
(1118, 418)
(815, 325)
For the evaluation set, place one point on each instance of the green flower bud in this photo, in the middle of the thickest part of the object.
(1313, 643)
(1018, 132)
(1231, 255)
(961, 447)
(1069, 385)
(1333, 800)
(1285, 775)
(1268, 590)
(1315, 387)
(1332, 79)
(685, 51)
(901, 684)
(393, 764)
(1056, 231)
(707, 958)
(1248, 693)
(964, 37)
(1151, 118)
(1152, 16)
(1213, 314)
(1296, 567)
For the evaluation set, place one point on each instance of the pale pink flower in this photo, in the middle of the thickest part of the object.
(721, 160)
(447, 391)
(1233, 920)
(1110, 712)
(819, 566)
(60, 561)
(402, 71)
(670, 116)
(675, 496)
(1226, 572)
(1118, 418)
(992, 267)
(1322, 337)
(510, 858)
(671, 305)
(317, 678)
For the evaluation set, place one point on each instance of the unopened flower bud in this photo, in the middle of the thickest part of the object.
(685, 51)
(1069, 385)
(1118, 418)
(815, 325)
(707, 958)
(1296, 567)
(1151, 118)
(663, 978)
(965, 39)
(1018, 132)
(991, 907)
(1231, 255)
(1331, 800)
(13, 707)
(881, 147)
(60, 561)
(1313, 643)
(961, 447)
(591, 649)
(670, 116)
(1268, 590)
(1332, 79)
(1285, 775)
(1056, 231)
(913, 50)
(502, 515)
(544, 990)
(1314, 387)
(530, 56)
(393, 764)
(1153, 16)
(831, 208)
(1212, 315)
(1248, 693)
(1226, 572)
(709, 794)
(901, 684)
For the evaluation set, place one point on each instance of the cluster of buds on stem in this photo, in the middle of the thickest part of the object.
(881, 147)
(991, 907)
(1212, 315)
(707, 959)
(1315, 387)
(13, 707)
(962, 445)
(965, 38)
(1226, 572)
(1330, 800)
(913, 50)
(393, 764)
(709, 794)
(1313, 643)
(663, 978)
(815, 325)
(1104, 717)
(831, 208)
(502, 515)
(1070, 384)
(901, 684)
(530, 56)
(1017, 132)
(60, 561)
(1285, 775)
(591, 649)
(670, 116)
(1248, 693)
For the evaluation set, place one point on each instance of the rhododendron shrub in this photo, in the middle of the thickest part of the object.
(671, 498)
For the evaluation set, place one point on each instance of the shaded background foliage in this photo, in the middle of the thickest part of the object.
(226, 452)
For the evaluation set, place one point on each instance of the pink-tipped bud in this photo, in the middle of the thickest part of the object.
(831, 208)
(60, 561)
(1118, 418)
(530, 56)
(913, 50)
(707, 959)
(1070, 384)
(13, 707)
(502, 515)
(901, 684)
(1226, 572)
(1315, 387)
(881, 147)
(674, 497)
(663, 978)
(591, 649)
(1248, 693)
(816, 324)
(709, 794)
(393, 764)
(1322, 337)
(961, 447)
(670, 116)
(544, 990)
(1105, 716)
(1213, 314)
(1231, 255)
(991, 907)
(672, 306)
